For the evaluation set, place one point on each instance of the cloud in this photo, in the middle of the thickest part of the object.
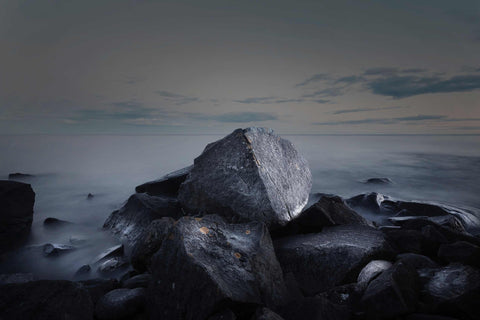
(399, 87)
(315, 78)
(175, 98)
(418, 118)
(244, 117)
(268, 100)
(384, 71)
(119, 110)
(325, 93)
(366, 109)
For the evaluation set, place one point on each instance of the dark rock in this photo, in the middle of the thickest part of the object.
(423, 316)
(16, 278)
(460, 251)
(392, 293)
(140, 210)
(348, 295)
(370, 202)
(378, 181)
(149, 243)
(166, 185)
(16, 215)
(251, 174)
(82, 271)
(405, 240)
(313, 308)
(90, 196)
(45, 300)
(372, 270)
(330, 258)
(205, 263)
(266, 314)
(454, 291)
(54, 249)
(120, 304)
(111, 266)
(226, 314)
(18, 175)
(416, 261)
(115, 251)
(54, 222)
(97, 288)
(138, 281)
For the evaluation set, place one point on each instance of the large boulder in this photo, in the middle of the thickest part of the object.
(120, 304)
(166, 185)
(141, 209)
(251, 174)
(45, 300)
(16, 213)
(206, 263)
(320, 261)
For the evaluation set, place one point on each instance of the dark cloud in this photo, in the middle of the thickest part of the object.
(383, 71)
(315, 78)
(175, 98)
(418, 118)
(267, 100)
(326, 92)
(366, 109)
(122, 110)
(244, 117)
(322, 101)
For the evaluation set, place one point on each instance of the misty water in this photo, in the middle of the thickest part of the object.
(443, 169)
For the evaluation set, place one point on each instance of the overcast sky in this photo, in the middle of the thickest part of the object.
(135, 67)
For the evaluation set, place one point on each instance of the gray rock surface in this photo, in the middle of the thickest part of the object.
(251, 174)
(206, 262)
(372, 270)
(335, 256)
(120, 304)
(166, 185)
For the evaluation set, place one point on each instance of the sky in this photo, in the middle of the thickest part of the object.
(299, 67)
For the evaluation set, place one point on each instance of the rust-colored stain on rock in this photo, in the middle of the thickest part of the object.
(204, 230)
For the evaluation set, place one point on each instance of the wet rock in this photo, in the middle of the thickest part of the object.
(112, 266)
(206, 262)
(115, 251)
(454, 291)
(97, 288)
(149, 243)
(251, 174)
(371, 202)
(45, 300)
(460, 251)
(54, 222)
(347, 295)
(394, 292)
(313, 308)
(90, 196)
(16, 213)
(335, 256)
(54, 249)
(120, 304)
(378, 181)
(166, 185)
(404, 240)
(226, 314)
(416, 261)
(18, 175)
(138, 281)
(83, 271)
(129, 222)
(423, 316)
(266, 314)
(16, 278)
(372, 270)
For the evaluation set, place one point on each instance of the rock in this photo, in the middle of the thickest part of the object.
(18, 175)
(372, 270)
(416, 261)
(251, 174)
(112, 265)
(404, 240)
(335, 256)
(266, 314)
(129, 222)
(206, 262)
(90, 196)
(313, 308)
(138, 281)
(394, 292)
(454, 291)
(97, 288)
(327, 211)
(460, 251)
(115, 251)
(149, 243)
(16, 278)
(423, 316)
(226, 314)
(45, 300)
(82, 271)
(120, 304)
(166, 185)
(348, 295)
(371, 202)
(54, 222)
(16, 214)
(54, 249)
(378, 181)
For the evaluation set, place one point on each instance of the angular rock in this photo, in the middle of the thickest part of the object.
(54, 222)
(166, 185)
(205, 263)
(335, 256)
(83, 270)
(372, 270)
(45, 300)
(392, 293)
(405, 240)
(460, 251)
(266, 314)
(371, 202)
(90, 196)
(112, 266)
(16, 213)
(133, 218)
(55, 249)
(314, 308)
(416, 261)
(19, 175)
(149, 243)
(97, 288)
(16, 278)
(251, 174)
(378, 181)
(454, 291)
(138, 281)
(120, 304)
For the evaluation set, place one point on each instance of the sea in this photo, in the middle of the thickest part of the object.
(436, 168)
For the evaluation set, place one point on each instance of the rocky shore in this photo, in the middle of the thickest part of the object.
(232, 237)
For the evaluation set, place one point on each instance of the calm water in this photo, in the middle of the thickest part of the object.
(444, 169)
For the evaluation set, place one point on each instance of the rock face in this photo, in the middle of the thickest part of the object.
(120, 304)
(335, 256)
(16, 213)
(45, 300)
(251, 174)
(206, 263)
(166, 185)
(372, 270)
(130, 221)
